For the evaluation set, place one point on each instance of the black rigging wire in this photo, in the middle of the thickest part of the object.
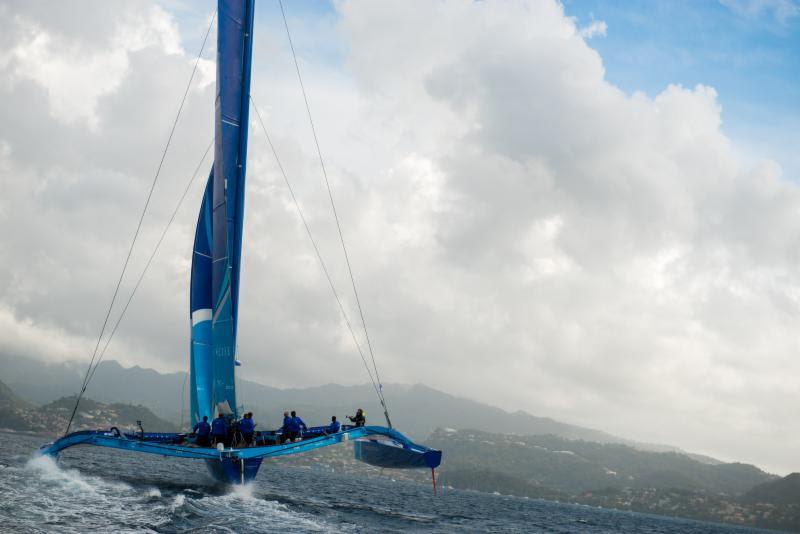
(336, 217)
(316, 248)
(144, 271)
(90, 369)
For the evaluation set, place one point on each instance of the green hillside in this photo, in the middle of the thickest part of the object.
(575, 466)
(52, 418)
(8, 399)
(93, 414)
(12, 410)
(617, 476)
(782, 496)
(782, 491)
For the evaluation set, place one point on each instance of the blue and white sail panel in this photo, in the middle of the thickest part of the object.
(201, 368)
(234, 52)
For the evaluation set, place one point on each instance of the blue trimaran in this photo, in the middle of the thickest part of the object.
(214, 299)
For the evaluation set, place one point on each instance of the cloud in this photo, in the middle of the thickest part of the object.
(75, 75)
(522, 231)
(597, 27)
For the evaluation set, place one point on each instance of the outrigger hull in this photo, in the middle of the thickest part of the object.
(240, 465)
(388, 453)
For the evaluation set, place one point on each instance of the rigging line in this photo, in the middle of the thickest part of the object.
(152, 255)
(316, 248)
(335, 216)
(87, 377)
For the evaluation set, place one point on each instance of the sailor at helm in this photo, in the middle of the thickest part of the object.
(360, 418)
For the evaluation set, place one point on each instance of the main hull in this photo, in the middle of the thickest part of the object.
(234, 470)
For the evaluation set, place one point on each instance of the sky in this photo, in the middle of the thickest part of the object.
(587, 210)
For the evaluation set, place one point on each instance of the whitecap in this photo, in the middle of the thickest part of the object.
(242, 491)
(177, 502)
(50, 471)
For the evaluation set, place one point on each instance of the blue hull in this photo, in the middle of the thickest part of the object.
(235, 466)
(234, 470)
(395, 455)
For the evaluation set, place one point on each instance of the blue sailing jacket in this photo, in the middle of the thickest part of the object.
(247, 426)
(334, 427)
(293, 424)
(218, 427)
(202, 428)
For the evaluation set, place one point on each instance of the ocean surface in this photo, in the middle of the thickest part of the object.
(102, 490)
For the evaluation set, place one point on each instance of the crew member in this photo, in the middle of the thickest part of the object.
(297, 424)
(334, 427)
(286, 427)
(360, 419)
(247, 427)
(219, 429)
(202, 429)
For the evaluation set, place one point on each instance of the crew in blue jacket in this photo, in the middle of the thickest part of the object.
(202, 429)
(291, 427)
(219, 429)
(334, 427)
(286, 427)
(247, 427)
(297, 423)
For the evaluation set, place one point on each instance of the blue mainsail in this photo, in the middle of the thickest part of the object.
(200, 364)
(218, 238)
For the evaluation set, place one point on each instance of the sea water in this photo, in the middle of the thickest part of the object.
(102, 490)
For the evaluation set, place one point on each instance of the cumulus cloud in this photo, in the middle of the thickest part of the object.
(522, 231)
(74, 73)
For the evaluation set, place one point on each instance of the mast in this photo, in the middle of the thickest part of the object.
(216, 259)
